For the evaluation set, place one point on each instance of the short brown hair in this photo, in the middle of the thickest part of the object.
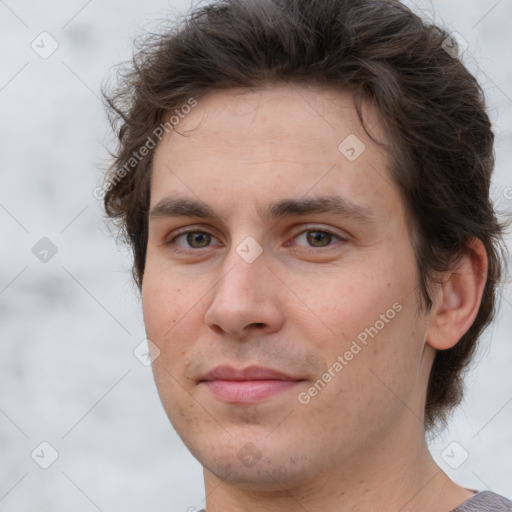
(432, 107)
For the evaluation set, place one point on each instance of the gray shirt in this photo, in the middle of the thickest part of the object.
(484, 501)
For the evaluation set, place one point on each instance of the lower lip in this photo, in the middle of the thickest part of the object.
(247, 391)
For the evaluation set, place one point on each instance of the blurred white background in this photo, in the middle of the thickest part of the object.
(69, 325)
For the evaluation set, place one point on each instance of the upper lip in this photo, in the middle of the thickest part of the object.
(249, 373)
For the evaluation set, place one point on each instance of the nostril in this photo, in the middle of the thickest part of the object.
(216, 329)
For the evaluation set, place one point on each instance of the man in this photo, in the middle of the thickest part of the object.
(305, 186)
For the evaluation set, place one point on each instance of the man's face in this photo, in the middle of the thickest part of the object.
(299, 262)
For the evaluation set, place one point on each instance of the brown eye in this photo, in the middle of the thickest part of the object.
(198, 240)
(319, 238)
(193, 240)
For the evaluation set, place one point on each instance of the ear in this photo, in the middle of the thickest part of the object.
(458, 299)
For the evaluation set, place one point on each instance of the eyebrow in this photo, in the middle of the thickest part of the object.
(338, 205)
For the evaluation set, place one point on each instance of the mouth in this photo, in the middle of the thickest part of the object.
(248, 385)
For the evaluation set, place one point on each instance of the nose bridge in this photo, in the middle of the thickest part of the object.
(246, 294)
(245, 272)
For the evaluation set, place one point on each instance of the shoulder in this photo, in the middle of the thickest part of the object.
(485, 501)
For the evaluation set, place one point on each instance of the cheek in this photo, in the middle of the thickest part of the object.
(374, 308)
(172, 324)
(169, 307)
(375, 378)
(349, 300)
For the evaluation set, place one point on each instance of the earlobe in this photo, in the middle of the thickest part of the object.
(458, 299)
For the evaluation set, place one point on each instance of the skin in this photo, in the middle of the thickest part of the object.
(359, 443)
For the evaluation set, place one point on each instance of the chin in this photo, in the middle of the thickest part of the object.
(253, 464)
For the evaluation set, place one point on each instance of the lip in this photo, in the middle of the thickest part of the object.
(247, 385)
(248, 373)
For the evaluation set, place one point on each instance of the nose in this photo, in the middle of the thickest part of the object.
(247, 299)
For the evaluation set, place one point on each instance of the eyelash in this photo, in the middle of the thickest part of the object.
(177, 248)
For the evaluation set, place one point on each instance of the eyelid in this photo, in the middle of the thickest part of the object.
(170, 239)
(342, 237)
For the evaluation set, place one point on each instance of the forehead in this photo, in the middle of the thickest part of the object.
(288, 139)
(291, 114)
